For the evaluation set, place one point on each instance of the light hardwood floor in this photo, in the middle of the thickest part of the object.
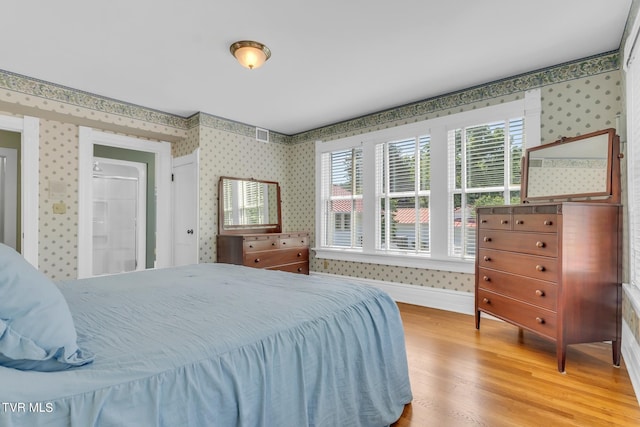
(497, 376)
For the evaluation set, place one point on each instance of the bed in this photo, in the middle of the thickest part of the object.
(219, 345)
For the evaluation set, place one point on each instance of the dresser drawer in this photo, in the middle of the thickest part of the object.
(538, 267)
(294, 241)
(535, 292)
(260, 243)
(496, 221)
(528, 243)
(272, 258)
(298, 267)
(543, 223)
(518, 313)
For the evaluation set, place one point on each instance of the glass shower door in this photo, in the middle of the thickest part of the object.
(118, 216)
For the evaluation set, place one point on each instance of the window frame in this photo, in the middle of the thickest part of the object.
(385, 194)
(464, 190)
(437, 128)
(631, 67)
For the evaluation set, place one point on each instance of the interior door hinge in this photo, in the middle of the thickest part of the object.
(172, 177)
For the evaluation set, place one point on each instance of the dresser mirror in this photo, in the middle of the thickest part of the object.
(585, 167)
(247, 205)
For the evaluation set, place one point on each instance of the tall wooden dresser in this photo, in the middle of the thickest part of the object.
(553, 268)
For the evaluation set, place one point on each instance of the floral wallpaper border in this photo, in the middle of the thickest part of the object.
(585, 67)
(218, 123)
(564, 72)
(78, 98)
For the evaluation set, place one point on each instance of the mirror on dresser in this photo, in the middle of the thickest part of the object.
(250, 228)
(552, 265)
(248, 204)
(578, 168)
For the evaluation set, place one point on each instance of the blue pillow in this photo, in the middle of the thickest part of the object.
(36, 328)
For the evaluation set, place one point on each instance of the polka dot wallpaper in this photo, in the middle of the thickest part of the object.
(576, 99)
(568, 109)
(58, 233)
(228, 154)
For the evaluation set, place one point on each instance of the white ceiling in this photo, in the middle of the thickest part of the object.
(332, 60)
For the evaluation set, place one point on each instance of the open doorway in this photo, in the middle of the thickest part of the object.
(19, 139)
(158, 238)
(10, 233)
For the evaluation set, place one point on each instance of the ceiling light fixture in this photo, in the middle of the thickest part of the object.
(250, 54)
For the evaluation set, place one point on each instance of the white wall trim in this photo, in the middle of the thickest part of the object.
(441, 299)
(87, 138)
(440, 257)
(398, 259)
(631, 356)
(29, 127)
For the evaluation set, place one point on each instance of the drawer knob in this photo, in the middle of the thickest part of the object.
(548, 222)
(540, 244)
(540, 267)
(299, 253)
(486, 301)
(540, 320)
(251, 246)
(486, 279)
(539, 292)
(483, 221)
(487, 239)
(299, 269)
(486, 258)
(284, 243)
(256, 260)
(504, 221)
(519, 221)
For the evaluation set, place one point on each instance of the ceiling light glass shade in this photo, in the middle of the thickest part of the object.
(250, 54)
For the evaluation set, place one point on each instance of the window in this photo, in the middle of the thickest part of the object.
(402, 170)
(343, 203)
(485, 170)
(405, 196)
(245, 204)
(632, 69)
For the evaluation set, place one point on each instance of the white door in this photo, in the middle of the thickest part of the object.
(8, 196)
(185, 209)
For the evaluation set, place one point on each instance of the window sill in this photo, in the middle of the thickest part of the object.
(398, 260)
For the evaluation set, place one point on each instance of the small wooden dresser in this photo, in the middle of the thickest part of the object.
(250, 228)
(552, 269)
(552, 265)
(273, 251)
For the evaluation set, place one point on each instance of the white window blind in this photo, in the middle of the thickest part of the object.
(633, 165)
(342, 171)
(402, 171)
(405, 195)
(244, 202)
(485, 162)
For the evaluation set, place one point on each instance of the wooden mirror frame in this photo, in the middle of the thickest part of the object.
(613, 191)
(247, 229)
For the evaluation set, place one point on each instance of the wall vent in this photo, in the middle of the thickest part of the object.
(262, 135)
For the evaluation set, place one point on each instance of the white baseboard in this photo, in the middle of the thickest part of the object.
(442, 299)
(631, 355)
(463, 302)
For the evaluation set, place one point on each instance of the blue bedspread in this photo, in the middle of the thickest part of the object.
(220, 345)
